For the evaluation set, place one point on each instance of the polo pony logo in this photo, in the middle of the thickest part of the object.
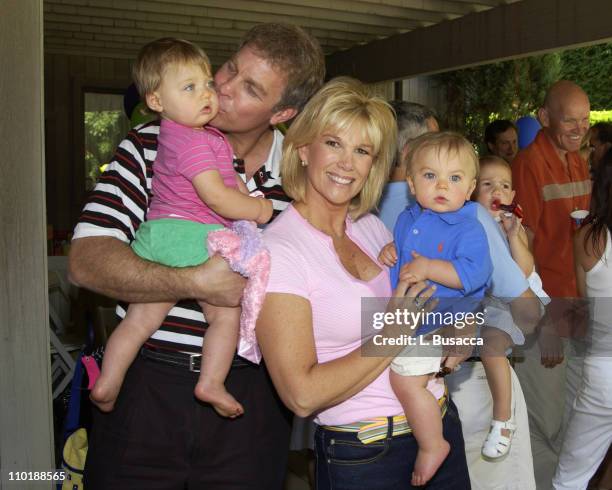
(440, 247)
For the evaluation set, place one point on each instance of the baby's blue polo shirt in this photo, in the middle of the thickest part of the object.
(456, 236)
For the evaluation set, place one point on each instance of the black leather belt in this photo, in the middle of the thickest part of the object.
(192, 362)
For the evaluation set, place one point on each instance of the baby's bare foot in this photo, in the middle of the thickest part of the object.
(104, 393)
(223, 403)
(428, 461)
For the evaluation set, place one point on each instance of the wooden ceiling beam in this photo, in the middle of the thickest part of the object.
(223, 18)
(227, 29)
(372, 10)
(104, 53)
(508, 31)
(447, 6)
(298, 10)
(138, 38)
(486, 3)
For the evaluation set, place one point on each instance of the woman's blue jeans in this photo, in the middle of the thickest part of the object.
(345, 463)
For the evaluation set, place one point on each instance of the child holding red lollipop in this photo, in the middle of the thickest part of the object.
(494, 192)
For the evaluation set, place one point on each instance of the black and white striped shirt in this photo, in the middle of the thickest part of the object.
(118, 205)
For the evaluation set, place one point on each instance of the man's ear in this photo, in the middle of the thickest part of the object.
(490, 147)
(153, 101)
(283, 115)
(544, 117)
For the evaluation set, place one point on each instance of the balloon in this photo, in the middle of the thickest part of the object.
(528, 127)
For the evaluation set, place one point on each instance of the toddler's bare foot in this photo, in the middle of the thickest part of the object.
(224, 403)
(104, 393)
(427, 463)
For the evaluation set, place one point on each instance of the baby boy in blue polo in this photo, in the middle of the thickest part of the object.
(454, 236)
(452, 252)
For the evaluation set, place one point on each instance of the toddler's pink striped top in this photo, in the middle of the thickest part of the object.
(183, 153)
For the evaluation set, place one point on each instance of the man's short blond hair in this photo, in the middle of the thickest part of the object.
(155, 57)
(342, 103)
(447, 142)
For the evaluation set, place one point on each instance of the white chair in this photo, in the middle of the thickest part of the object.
(62, 362)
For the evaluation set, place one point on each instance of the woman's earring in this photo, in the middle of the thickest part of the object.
(304, 163)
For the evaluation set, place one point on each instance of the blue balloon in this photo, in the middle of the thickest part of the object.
(528, 127)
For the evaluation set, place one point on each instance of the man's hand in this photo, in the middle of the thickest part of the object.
(218, 284)
(549, 341)
(110, 267)
(388, 255)
(551, 348)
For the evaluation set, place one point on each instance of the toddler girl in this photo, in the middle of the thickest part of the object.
(195, 190)
(494, 192)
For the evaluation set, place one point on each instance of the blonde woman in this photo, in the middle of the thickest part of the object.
(336, 159)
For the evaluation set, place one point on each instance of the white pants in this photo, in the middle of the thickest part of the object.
(470, 392)
(549, 393)
(589, 429)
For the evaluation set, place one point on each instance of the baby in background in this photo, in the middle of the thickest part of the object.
(195, 191)
(439, 240)
(494, 188)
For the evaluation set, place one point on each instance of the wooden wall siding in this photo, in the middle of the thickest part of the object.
(26, 430)
(424, 91)
(65, 77)
(507, 31)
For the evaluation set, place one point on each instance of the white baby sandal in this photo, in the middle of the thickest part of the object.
(496, 446)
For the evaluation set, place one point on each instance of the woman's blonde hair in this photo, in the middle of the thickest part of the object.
(339, 105)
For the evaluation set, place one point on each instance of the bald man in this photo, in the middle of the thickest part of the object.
(552, 180)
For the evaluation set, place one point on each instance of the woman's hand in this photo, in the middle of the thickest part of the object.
(411, 297)
(388, 255)
(415, 290)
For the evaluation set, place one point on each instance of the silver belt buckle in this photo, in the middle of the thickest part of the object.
(192, 358)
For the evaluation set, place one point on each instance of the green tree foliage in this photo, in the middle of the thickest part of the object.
(515, 88)
(103, 131)
(504, 90)
(591, 68)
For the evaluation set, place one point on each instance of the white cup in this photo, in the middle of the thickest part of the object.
(578, 215)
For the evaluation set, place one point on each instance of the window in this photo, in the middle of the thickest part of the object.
(105, 126)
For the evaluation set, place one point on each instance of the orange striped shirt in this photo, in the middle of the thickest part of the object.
(548, 193)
